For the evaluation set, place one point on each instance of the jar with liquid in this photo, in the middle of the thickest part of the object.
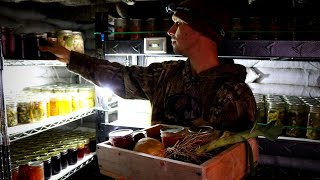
(120, 27)
(135, 26)
(151, 27)
(24, 110)
(297, 117)
(47, 167)
(72, 154)
(64, 39)
(38, 108)
(15, 171)
(11, 111)
(35, 170)
(276, 112)
(73, 93)
(171, 135)
(55, 162)
(77, 42)
(313, 131)
(261, 112)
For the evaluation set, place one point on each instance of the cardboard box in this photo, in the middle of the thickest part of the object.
(230, 164)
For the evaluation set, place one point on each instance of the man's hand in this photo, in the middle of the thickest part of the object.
(62, 53)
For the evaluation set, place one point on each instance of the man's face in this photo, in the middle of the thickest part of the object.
(183, 37)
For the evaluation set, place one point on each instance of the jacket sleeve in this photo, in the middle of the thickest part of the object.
(132, 82)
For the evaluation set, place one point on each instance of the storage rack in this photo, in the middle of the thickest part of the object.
(11, 134)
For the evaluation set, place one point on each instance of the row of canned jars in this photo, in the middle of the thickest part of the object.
(49, 155)
(300, 115)
(35, 104)
(26, 45)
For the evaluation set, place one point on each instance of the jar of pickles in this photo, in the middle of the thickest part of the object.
(77, 42)
(38, 108)
(24, 110)
(64, 39)
(11, 111)
(276, 112)
(261, 112)
(313, 131)
(297, 117)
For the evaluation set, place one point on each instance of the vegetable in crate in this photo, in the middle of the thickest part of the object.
(151, 146)
(189, 150)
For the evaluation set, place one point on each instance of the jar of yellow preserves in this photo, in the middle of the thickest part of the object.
(72, 92)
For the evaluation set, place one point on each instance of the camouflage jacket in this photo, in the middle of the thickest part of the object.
(218, 97)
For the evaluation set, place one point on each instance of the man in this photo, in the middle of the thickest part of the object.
(200, 91)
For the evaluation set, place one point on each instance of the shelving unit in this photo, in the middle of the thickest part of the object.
(25, 130)
(17, 62)
(65, 173)
(20, 131)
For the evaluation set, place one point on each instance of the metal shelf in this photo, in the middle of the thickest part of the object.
(25, 130)
(71, 169)
(19, 62)
(296, 139)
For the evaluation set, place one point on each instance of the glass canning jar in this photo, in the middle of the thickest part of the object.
(47, 167)
(77, 42)
(35, 170)
(313, 131)
(23, 110)
(55, 162)
(64, 39)
(72, 92)
(11, 112)
(72, 154)
(261, 112)
(297, 117)
(276, 112)
(171, 135)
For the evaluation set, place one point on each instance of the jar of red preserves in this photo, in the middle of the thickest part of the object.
(121, 138)
(171, 135)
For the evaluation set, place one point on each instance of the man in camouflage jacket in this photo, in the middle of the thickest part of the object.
(203, 90)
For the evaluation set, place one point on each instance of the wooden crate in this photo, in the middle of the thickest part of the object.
(231, 164)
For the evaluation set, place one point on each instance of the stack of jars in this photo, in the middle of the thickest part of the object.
(299, 115)
(37, 103)
(51, 155)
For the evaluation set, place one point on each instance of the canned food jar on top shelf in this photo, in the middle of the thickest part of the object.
(64, 39)
(120, 26)
(77, 42)
(151, 27)
(135, 26)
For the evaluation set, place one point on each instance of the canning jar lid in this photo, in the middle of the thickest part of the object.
(201, 129)
(120, 133)
(171, 130)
